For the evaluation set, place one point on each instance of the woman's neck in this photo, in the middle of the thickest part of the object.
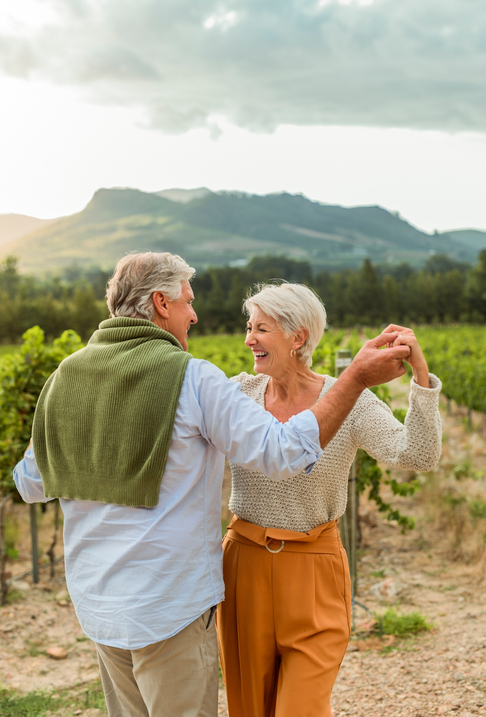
(292, 391)
(291, 382)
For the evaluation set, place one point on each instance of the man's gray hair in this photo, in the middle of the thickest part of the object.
(138, 275)
(293, 307)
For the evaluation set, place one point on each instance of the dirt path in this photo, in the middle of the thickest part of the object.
(442, 672)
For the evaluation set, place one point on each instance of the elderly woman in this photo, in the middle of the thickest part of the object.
(285, 623)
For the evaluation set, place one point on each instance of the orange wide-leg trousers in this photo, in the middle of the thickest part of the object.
(285, 622)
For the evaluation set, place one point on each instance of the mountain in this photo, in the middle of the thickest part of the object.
(13, 226)
(470, 238)
(211, 229)
(183, 195)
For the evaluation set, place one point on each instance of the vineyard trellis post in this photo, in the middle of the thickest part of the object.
(50, 552)
(3, 552)
(35, 546)
(348, 523)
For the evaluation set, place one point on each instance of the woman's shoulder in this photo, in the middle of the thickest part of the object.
(251, 384)
(329, 381)
(244, 377)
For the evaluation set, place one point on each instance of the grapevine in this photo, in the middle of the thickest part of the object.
(22, 376)
(457, 355)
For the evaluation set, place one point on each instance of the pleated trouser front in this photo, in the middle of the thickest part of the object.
(285, 622)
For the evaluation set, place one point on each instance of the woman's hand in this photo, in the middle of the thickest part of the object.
(416, 359)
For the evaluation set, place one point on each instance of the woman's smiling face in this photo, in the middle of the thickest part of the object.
(271, 347)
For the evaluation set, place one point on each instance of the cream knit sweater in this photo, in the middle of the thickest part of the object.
(310, 499)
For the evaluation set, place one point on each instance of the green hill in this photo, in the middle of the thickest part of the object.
(470, 238)
(213, 229)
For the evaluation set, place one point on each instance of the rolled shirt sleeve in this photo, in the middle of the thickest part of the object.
(28, 479)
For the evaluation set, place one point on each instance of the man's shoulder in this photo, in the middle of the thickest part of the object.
(206, 386)
(200, 372)
(201, 367)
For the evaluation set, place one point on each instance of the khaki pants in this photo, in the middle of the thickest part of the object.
(177, 677)
(285, 623)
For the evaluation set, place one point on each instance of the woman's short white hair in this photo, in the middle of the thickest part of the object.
(138, 275)
(293, 307)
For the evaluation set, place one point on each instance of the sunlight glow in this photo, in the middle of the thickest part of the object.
(361, 3)
(222, 20)
(25, 15)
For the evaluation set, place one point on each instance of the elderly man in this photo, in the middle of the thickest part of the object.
(130, 433)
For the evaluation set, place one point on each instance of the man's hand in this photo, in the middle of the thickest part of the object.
(372, 366)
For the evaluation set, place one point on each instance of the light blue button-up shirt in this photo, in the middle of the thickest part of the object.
(139, 575)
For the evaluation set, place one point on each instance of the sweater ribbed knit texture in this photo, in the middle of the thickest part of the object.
(104, 420)
(309, 499)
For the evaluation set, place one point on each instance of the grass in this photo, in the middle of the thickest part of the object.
(453, 500)
(378, 573)
(477, 508)
(13, 596)
(94, 697)
(399, 624)
(62, 704)
(11, 538)
(34, 648)
(34, 704)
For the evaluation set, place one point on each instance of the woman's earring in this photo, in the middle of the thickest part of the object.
(292, 353)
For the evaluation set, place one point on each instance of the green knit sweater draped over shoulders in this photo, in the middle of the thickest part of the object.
(104, 420)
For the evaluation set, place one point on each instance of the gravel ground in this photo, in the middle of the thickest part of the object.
(435, 673)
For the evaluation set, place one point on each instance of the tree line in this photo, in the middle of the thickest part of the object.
(443, 291)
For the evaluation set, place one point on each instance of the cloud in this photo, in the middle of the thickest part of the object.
(260, 63)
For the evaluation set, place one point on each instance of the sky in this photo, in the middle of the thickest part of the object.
(351, 102)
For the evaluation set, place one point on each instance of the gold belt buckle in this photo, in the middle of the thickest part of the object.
(276, 551)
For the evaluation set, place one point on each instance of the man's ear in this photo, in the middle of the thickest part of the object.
(161, 304)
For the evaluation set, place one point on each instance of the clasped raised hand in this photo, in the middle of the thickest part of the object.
(416, 359)
(372, 366)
